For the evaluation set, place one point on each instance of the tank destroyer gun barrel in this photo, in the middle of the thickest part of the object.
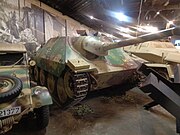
(101, 48)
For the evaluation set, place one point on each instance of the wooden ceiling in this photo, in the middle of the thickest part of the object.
(141, 12)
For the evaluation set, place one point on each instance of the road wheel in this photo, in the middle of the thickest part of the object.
(61, 91)
(72, 87)
(42, 117)
(65, 88)
(69, 84)
(10, 88)
(51, 83)
(36, 74)
(42, 77)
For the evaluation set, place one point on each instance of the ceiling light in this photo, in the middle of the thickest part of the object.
(127, 30)
(91, 17)
(126, 35)
(148, 29)
(121, 16)
(158, 13)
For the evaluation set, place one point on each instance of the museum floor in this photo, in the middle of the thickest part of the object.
(109, 116)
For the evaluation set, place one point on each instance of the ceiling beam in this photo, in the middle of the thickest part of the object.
(157, 8)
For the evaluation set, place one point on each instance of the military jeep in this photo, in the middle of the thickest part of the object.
(17, 98)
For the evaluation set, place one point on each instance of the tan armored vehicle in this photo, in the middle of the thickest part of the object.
(17, 98)
(72, 66)
(159, 55)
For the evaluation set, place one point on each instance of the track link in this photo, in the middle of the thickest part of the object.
(81, 85)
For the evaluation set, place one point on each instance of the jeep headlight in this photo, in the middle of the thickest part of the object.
(32, 63)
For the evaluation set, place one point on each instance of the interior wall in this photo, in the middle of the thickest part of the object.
(33, 23)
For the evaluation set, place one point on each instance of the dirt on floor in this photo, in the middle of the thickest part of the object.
(91, 116)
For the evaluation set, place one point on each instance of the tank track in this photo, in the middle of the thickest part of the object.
(81, 86)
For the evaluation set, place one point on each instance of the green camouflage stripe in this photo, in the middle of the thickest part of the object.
(115, 57)
(51, 57)
(22, 101)
(18, 71)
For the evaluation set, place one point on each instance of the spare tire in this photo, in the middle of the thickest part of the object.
(10, 88)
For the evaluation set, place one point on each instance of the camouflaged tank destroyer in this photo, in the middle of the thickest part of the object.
(17, 98)
(72, 66)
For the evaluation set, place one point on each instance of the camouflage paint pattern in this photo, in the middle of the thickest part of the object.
(23, 100)
(40, 96)
(19, 71)
(103, 62)
(115, 68)
(35, 97)
(28, 99)
(55, 63)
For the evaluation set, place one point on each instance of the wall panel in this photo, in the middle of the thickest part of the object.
(34, 23)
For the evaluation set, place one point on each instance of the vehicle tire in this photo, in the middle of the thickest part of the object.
(42, 117)
(51, 83)
(42, 77)
(62, 96)
(10, 88)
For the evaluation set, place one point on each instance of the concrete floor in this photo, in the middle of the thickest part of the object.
(111, 116)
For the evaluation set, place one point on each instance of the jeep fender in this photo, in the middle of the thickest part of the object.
(40, 97)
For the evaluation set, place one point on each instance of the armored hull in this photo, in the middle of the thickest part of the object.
(159, 55)
(66, 68)
(72, 66)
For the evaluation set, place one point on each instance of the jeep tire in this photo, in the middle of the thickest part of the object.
(10, 88)
(42, 117)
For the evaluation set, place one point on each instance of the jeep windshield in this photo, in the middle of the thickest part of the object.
(10, 59)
